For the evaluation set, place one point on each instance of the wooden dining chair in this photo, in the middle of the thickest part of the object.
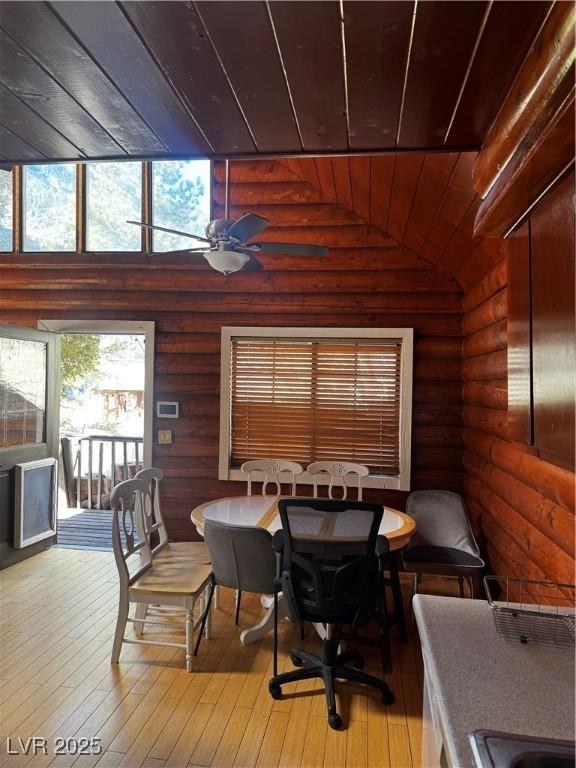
(143, 581)
(163, 550)
(155, 527)
(272, 471)
(337, 472)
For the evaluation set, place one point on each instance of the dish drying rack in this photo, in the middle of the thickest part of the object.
(531, 611)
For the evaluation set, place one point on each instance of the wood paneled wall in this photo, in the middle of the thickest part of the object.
(368, 279)
(522, 506)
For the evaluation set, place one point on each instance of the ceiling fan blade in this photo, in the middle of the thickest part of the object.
(253, 265)
(170, 231)
(292, 249)
(247, 226)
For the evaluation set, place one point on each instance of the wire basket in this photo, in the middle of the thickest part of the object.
(536, 612)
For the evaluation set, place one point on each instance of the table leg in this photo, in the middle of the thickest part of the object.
(267, 622)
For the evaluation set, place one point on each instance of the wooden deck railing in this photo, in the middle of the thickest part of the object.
(101, 462)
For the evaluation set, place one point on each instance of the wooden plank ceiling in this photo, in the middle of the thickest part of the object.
(425, 201)
(103, 80)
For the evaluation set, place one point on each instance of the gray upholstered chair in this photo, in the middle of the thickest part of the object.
(443, 543)
(242, 558)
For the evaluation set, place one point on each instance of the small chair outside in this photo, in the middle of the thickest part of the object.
(443, 544)
(142, 581)
(338, 471)
(242, 558)
(272, 469)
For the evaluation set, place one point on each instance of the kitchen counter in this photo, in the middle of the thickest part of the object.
(478, 679)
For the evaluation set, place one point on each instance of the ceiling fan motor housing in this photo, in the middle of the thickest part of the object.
(218, 229)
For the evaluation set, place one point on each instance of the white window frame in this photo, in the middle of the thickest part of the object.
(405, 336)
(144, 328)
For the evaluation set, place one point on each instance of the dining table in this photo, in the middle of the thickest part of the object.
(262, 511)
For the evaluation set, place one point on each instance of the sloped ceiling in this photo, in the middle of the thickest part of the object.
(425, 201)
(422, 201)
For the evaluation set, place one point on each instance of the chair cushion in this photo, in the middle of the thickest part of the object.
(444, 556)
(176, 551)
(173, 578)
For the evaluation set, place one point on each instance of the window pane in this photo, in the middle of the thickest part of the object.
(316, 400)
(22, 392)
(114, 195)
(5, 211)
(50, 208)
(180, 200)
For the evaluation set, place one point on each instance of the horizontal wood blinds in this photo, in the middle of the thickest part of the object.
(312, 400)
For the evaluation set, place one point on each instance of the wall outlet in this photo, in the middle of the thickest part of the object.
(164, 437)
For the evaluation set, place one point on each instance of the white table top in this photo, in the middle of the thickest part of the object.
(249, 510)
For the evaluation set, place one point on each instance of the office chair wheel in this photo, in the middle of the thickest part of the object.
(335, 721)
(275, 691)
(296, 660)
(387, 697)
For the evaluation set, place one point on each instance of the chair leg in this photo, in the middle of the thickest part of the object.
(123, 607)
(141, 612)
(275, 637)
(189, 638)
(238, 599)
(205, 615)
(383, 631)
(330, 691)
(461, 585)
(397, 594)
(208, 608)
(217, 597)
(472, 585)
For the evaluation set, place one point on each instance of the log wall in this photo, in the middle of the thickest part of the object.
(521, 505)
(368, 280)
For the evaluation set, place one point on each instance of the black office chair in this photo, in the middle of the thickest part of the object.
(328, 572)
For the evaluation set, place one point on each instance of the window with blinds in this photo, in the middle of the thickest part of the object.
(313, 399)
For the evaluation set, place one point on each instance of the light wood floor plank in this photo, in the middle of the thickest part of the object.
(271, 747)
(58, 613)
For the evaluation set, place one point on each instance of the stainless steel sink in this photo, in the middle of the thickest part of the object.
(493, 749)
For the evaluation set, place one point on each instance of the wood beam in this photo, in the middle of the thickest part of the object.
(531, 142)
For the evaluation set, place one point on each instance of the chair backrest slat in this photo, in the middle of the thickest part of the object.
(338, 471)
(131, 549)
(272, 471)
(151, 510)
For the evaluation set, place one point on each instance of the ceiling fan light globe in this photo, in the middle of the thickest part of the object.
(226, 261)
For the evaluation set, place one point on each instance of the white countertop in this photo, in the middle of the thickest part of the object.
(481, 680)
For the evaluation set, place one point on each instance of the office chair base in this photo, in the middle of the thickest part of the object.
(329, 670)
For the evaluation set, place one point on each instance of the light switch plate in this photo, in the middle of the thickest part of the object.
(164, 437)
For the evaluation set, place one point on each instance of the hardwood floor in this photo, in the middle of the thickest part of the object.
(57, 614)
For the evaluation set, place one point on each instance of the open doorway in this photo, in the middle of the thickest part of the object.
(105, 421)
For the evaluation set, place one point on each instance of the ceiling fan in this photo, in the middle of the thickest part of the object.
(226, 246)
